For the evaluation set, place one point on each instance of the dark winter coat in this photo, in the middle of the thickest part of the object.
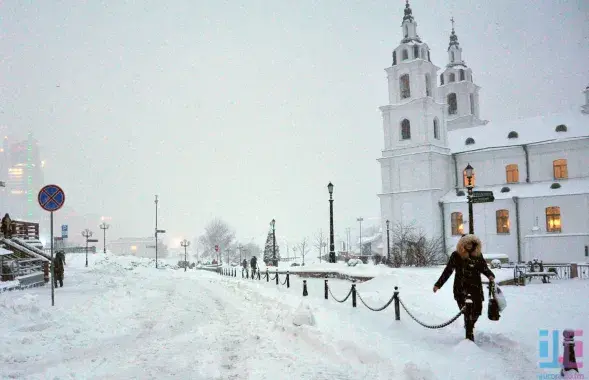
(253, 262)
(6, 222)
(468, 268)
(58, 266)
(244, 263)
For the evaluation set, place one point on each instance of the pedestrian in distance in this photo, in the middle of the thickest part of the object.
(58, 268)
(254, 264)
(5, 227)
(468, 263)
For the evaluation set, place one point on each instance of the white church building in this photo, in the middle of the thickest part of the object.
(537, 168)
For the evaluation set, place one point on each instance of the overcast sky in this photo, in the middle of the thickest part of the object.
(246, 110)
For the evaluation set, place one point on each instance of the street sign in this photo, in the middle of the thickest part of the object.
(482, 196)
(51, 198)
(92, 240)
(64, 231)
(161, 231)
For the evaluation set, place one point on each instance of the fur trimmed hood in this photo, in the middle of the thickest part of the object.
(460, 247)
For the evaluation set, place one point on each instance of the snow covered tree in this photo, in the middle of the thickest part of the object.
(269, 250)
(303, 248)
(217, 233)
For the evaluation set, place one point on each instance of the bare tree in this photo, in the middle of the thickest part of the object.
(320, 243)
(217, 233)
(410, 246)
(303, 248)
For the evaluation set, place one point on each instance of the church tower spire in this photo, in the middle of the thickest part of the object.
(457, 89)
(409, 25)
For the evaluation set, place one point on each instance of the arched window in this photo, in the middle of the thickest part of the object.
(553, 219)
(405, 130)
(457, 223)
(441, 79)
(406, 31)
(512, 135)
(436, 129)
(469, 141)
(465, 179)
(502, 219)
(461, 74)
(561, 128)
(415, 51)
(394, 58)
(560, 169)
(452, 104)
(405, 86)
(512, 173)
(452, 78)
(405, 55)
(471, 98)
(452, 54)
(428, 85)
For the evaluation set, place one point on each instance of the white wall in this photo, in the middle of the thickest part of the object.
(489, 165)
(576, 153)
(557, 248)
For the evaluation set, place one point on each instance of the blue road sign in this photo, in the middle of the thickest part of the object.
(64, 231)
(51, 198)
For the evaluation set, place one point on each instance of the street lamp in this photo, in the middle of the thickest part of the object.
(104, 227)
(360, 220)
(273, 224)
(157, 231)
(185, 243)
(388, 244)
(468, 171)
(331, 243)
(88, 234)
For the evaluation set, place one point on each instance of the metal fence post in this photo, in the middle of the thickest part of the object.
(288, 279)
(353, 295)
(305, 293)
(326, 289)
(267, 275)
(397, 306)
(569, 361)
(276, 276)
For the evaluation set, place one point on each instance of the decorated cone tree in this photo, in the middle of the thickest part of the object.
(268, 249)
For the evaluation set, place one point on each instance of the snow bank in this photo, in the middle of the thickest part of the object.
(303, 315)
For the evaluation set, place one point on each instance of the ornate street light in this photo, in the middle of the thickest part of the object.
(331, 242)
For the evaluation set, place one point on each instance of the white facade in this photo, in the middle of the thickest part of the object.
(140, 247)
(431, 133)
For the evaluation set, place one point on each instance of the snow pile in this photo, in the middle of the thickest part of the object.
(303, 315)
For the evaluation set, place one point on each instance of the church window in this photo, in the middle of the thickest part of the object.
(465, 179)
(436, 129)
(461, 74)
(415, 51)
(512, 135)
(512, 173)
(405, 54)
(471, 99)
(452, 54)
(469, 141)
(457, 223)
(405, 86)
(441, 79)
(452, 104)
(428, 85)
(553, 219)
(394, 58)
(452, 78)
(561, 128)
(405, 130)
(560, 169)
(502, 219)
(406, 31)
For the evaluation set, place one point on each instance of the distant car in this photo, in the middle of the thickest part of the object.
(294, 265)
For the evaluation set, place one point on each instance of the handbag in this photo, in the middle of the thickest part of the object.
(493, 306)
(500, 297)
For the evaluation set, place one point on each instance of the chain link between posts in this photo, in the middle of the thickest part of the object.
(342, 301)
(433, 326)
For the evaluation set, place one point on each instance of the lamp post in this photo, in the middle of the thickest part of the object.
(331, 243)
(469, 174)
(388, 244)
(87, 234)
(157, 231)
(185, 243)
(104, 227)
(360, 220)
(273, 224)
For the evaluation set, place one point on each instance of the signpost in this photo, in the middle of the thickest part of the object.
(64, 231)
(51, 198)
(482, 196)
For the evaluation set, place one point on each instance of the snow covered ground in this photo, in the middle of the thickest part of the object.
(121, 318)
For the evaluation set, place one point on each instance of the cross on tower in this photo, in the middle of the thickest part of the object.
(452, 20)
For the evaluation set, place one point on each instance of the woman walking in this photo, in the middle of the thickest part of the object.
(469, 264)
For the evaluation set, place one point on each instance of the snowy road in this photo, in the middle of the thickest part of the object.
(121, 318)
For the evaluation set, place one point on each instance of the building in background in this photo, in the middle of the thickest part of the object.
(140, 247)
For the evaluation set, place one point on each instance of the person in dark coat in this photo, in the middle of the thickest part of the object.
(253, 264)
(58, 268)
(6, 222)
(468, 263)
